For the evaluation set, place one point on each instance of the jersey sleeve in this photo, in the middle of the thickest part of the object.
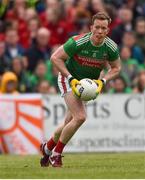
(70, 47)
(113, 54)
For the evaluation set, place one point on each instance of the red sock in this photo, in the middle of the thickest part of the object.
(59, 147)
(51, 144)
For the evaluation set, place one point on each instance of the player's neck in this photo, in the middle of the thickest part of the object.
(96, 42)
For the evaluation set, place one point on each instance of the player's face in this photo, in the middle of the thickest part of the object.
(99, 30)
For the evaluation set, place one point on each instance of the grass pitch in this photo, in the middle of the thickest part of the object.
(89, 165)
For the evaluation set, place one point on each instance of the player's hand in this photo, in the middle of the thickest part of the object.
(100, 83)
(73, 83)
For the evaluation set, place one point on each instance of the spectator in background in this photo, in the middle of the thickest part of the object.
(96, 6)
(52, 74)
(129, 65)
(17, 15)
(120, 86)
(44, 87)
(9, 83)
(140, 85)
(57, 27)
(83, 28)
(13, 48)
(33, 26)
(77, 16)
(126, 17)
(17, 10)
(62, 19)
(115, 21)
(53, 4)
(30, 13)
(4, 61)
(22, 76)
(81, 6)
(24, 36)
(21, 15)
(39, 75)
(116, 4)
(32, 3)
(140, 32)
(129, 40)
(39, 5)
(3, 11)
(82, 17)
(69, 11)
(39, 50)
(135, 7)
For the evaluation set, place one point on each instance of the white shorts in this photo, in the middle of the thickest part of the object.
(63, 85)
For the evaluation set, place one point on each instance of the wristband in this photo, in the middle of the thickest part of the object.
(70, 78)
(104, 81)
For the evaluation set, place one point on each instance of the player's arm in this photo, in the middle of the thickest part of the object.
(103, 72)
(113, 71)
(58, 59)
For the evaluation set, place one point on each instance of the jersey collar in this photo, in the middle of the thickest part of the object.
(94, 44)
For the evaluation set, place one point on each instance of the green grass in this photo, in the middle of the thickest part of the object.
(89, 165)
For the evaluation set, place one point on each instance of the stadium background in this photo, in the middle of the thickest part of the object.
(30, 30)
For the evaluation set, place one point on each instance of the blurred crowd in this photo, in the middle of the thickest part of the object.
(31, 30)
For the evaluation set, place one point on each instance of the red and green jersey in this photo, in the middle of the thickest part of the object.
(87, 60)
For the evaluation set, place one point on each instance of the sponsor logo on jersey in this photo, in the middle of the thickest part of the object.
(91, 62)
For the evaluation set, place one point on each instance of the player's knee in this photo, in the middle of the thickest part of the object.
(67, 120)
(81, 118)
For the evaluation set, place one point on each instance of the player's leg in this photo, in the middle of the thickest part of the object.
(64, 89)
(58, 131)
(48, 146)
(77, 109)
